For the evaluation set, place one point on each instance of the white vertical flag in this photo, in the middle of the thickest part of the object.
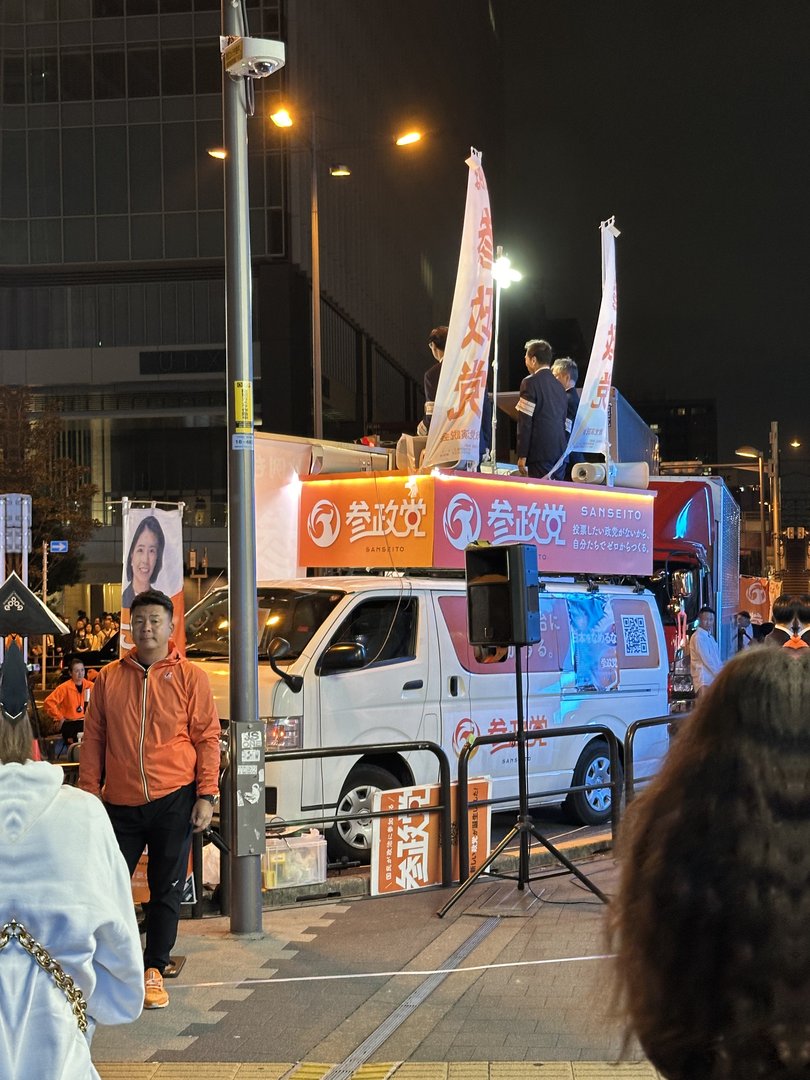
(589, 433)
(455, 426)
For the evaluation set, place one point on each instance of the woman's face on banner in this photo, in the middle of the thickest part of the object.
(144, 558)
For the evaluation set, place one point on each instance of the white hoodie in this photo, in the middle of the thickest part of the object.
(62, 876)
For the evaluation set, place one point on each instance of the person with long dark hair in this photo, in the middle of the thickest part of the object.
(145, 559)
(711, 921)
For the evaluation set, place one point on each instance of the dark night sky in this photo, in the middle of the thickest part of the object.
(689, 122)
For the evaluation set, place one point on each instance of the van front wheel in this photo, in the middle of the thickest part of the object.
(592, 807)
(351, 838)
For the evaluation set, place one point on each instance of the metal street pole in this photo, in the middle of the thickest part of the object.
(763, 561)
(45, 602)
(317, 376)
(776, 496)
(246, 840)
(493, 456)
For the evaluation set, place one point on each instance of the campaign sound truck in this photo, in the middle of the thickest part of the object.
(383, 656)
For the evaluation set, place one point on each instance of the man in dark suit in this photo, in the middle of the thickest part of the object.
(542, 410)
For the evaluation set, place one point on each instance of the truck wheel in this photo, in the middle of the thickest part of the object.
(351, 839)
(591, 807)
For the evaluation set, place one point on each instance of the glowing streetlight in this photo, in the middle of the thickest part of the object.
(281, 118)
(503, 274)
(795, 443)
(218, 152)
(284, 118)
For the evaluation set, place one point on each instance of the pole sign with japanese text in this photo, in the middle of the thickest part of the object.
(455, 426)
(397, 521)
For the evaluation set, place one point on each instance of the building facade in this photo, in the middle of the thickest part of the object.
(112, 294)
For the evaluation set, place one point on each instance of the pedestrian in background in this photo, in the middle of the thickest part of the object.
(151, 738)
(745, 633)
(704, 655)
(65, 893)
(68, 702)
(710, 922)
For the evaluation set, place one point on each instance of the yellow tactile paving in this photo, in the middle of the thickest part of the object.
(522, 1070)
(126, 1070)
(375, 1071)
(264, 1070)
(310, 1070)
(409, 1070)
(467, 1070)
(621, 1070)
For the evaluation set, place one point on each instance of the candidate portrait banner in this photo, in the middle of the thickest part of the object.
(152, 559)
(589, 432)
(455, 426)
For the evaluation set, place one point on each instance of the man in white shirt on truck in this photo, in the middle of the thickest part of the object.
(704, 654)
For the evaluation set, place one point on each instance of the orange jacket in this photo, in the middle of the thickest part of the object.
(66, 702)
(150, 731)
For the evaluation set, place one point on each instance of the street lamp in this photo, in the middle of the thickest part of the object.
(503, 275)
(752, 452)
(283, 118)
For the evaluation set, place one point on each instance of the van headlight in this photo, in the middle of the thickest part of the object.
(283, 732)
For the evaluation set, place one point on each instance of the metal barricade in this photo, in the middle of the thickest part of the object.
(443, 809)
(630, 779)
(488, 740)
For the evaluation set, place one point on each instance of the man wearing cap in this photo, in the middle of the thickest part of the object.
(152, 731)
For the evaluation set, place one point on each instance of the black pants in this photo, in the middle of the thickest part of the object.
(165, 825)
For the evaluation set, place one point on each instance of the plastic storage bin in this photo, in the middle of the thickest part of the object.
(294, 860)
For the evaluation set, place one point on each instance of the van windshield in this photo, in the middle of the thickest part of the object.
(294, 614)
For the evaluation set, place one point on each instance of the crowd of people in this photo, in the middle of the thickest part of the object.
(790, 628)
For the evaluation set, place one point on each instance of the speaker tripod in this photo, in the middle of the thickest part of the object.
(524, 827)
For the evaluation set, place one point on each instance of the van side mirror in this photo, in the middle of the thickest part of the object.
(342, 656)
(278, 648)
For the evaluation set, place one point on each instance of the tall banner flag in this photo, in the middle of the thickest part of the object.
(455, 427)
(153, 559)
(589, 432)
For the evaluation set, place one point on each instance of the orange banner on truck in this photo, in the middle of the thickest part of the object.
(396, 520)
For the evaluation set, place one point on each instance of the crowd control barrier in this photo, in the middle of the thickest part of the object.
(674, 720)
(547, 733)
(443, 809)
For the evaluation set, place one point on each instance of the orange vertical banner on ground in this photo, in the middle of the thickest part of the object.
(755, 599)
(153, 559)
(405, 848)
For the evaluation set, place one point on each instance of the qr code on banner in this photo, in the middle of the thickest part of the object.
(634, 629)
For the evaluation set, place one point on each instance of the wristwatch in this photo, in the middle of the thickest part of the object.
(213, 799)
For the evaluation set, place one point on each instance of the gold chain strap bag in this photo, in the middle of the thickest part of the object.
(16, 931)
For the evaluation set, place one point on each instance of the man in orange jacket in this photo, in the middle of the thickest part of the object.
(152, 731)
(68, 702)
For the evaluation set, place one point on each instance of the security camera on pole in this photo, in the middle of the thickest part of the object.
(244, 59)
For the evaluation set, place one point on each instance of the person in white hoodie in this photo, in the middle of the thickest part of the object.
(65, 892)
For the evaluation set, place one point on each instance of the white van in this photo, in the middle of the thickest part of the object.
(387, 660)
